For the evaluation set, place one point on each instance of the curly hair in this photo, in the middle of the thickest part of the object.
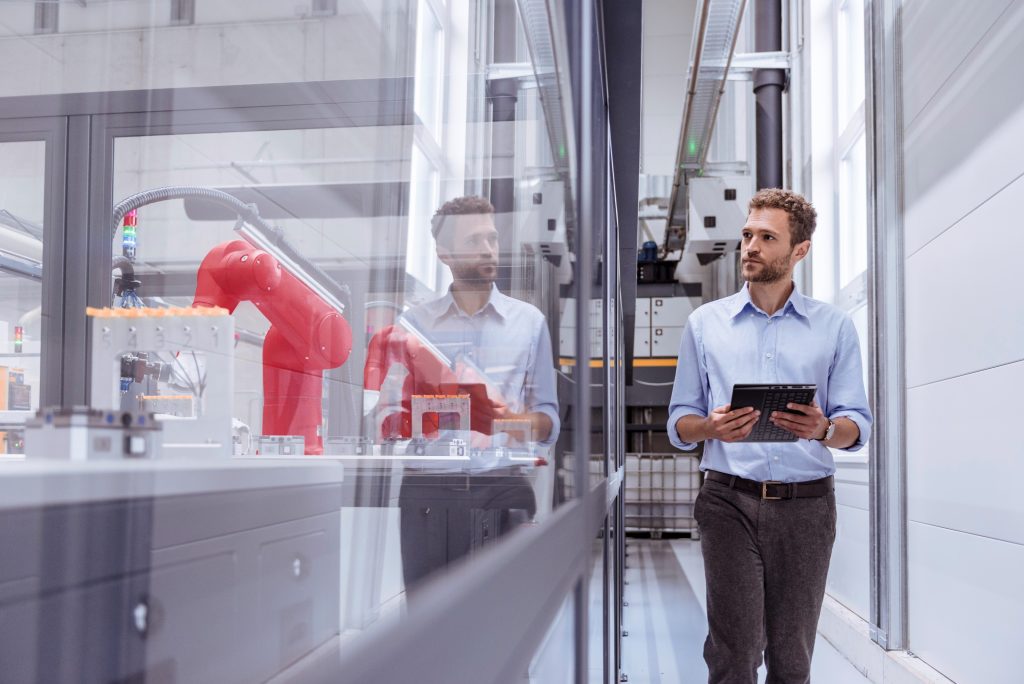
(460, 206)
(802, 216)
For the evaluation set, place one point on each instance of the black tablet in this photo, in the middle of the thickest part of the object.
(766, 399)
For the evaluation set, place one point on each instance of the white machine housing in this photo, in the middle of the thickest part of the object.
(540, 225)
(714, 223)
(80, 434)
(209, 331)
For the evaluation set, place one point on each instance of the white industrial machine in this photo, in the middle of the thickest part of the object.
(540, 226)
(203, 337)
(81, 433)
(717, 214)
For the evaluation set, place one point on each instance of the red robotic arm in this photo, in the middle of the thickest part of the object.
(306, 337)
(426, 374)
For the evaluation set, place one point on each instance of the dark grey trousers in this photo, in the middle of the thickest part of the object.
(766, 564)
(447, 517)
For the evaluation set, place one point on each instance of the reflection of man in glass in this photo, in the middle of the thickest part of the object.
(497, 350)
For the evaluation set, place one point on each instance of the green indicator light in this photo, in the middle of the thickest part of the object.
(693, 147)
(561, 150)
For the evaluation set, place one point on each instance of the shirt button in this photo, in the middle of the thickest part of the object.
(769, 355)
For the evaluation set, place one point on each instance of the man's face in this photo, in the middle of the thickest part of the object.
(470, 249)
(767, 253)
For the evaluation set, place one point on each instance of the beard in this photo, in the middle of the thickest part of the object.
(772, 271)
(475, 275)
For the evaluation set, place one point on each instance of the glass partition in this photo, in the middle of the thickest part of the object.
(330, 346)
(23, 173)
(112, 45)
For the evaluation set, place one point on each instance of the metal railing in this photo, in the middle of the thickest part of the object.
(511, 593)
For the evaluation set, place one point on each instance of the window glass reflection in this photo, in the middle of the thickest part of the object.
(321, 364)
(22, 174)
(468, 379)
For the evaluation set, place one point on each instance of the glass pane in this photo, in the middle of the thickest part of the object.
(853, 206)
(553, 663)
(596, 654)
(22, 170)
(849, 579)
(326, 365)
(851, 59)
(429, 52)
(110, 46)
(446, 262)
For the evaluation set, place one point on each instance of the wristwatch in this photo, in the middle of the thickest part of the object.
(829, 431)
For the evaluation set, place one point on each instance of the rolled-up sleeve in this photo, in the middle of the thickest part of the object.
(541, 390)
(689, 392)
(846, 395)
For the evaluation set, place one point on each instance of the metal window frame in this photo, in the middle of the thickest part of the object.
(584, 81)
(84, 126)
(183, 12)
(53, 132)
(322, 8)
(888, 471)
(46, 18)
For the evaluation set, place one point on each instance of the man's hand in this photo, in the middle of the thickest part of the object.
(808, 423)
(731, 426)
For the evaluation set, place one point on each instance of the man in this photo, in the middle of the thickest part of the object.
(767, 547)
(497, 350)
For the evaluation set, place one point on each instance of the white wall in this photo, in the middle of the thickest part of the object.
(964, 130)
(100, 49)
(668, 31)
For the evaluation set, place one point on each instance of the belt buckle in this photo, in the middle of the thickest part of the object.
(764, 491)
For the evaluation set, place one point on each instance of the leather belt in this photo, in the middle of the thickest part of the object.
(773, 491)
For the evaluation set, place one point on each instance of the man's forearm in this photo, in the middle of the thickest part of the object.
(540, 424)
(692, 428)
(846, 435)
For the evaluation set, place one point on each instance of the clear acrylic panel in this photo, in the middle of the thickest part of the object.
(329, 361)
(23, 173)
(118, 45)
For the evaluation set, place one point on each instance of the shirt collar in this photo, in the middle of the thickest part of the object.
(741, 300)
(447, 306)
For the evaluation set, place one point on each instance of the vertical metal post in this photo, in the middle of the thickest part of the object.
(620, 572)
(798, 132)
(887, 465)
(74, 387)
(622, 42)
(52, 323)
(582, 24)
(768, 86)
(612, 372)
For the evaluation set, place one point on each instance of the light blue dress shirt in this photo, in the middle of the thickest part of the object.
(507, 340)
(731, 341)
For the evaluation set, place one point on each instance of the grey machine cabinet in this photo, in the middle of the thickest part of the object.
(218, 587)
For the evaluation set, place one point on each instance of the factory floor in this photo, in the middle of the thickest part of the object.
(666, 619)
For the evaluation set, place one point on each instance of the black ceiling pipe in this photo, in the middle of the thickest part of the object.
(768, 87)
(502, 94)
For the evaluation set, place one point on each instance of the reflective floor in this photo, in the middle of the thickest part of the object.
(666, 619)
